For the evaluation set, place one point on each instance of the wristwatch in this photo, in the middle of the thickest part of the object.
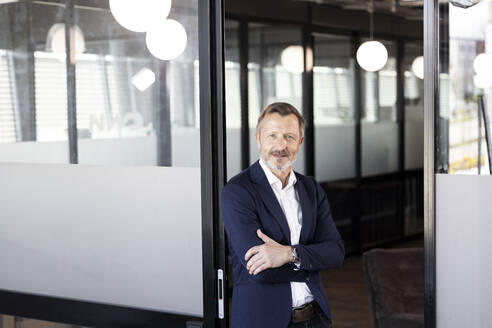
(296, 260)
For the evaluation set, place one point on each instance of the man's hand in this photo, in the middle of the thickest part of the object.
(269, 255)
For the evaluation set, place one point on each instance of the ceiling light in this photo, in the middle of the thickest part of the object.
(139, 15)
(292, 59)
(372, 55)
(482, 64)
(55, 41)
(143, 79)
(418, 67)
(167, 39)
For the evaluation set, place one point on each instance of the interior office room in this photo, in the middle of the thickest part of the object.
(122, 121)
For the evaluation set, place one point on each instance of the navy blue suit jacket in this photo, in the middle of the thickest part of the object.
(248, 204)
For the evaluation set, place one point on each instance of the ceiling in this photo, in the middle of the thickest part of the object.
(409, 9)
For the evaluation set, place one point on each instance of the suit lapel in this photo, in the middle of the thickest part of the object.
(307, 210)
(269, 198)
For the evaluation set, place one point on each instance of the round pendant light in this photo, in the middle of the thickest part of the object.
(418, 67)
(292, 59)
(139, 15)
(167, 39)
(482, 64)
(372, 55)
(55, 41)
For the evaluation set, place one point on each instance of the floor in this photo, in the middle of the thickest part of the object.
(347, 291)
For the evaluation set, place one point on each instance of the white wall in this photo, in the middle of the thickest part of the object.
(463, 251)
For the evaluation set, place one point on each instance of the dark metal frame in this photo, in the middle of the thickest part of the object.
(243, 63)
(213, 157)
(431, 106)
(307, 100)
(71, 86)
(213, 176)
(357, 99)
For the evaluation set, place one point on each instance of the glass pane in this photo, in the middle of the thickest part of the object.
(101, 233)
(132, 107)
(414, 105)
(465, 84)
(33, 96)
(233, 98)
(334, 127)
(275, 74)
(333, 108)
(379, 126)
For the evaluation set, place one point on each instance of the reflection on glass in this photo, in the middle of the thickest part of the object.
(270, 81)
(414, 108)
(133, 108)
(233, 98)
(33, 97)
(333, 108)
(465, 78)
(379, 126)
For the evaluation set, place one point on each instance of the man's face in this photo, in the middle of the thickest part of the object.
(279, 140)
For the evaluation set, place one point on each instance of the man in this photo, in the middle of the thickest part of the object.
(280, 230)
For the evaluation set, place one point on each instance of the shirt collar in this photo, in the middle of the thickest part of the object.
(272, 178)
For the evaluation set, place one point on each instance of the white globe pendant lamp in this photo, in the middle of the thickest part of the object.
(372, 55)
(418, 67)
(55, 41)
(482, 65)
(139, 15)
(292, 59)
(167, 39)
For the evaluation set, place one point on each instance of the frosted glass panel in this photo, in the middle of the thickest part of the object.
(379, 148)
(127, 236)
(463, 251)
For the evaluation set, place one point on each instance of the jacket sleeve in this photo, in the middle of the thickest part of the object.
(326, 250)
(241, 222)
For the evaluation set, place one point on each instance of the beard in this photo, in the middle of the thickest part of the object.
(272, 164)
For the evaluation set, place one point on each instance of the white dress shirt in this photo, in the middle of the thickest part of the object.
(289, 202)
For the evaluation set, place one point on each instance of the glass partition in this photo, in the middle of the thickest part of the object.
(462, 165)
(414, 105)
(275, 69)
(379, 122)
(33, 85)
(132, 107)
(465, 90)
(334, 122)
(233, 98)
(96, 238)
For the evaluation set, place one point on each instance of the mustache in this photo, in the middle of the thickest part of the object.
(279, 153)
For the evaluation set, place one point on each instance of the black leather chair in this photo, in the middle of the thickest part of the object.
(395, 279)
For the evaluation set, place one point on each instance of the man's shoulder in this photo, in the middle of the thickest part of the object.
(240, 182)
(239, 188)
(307, 180)
(242, 178)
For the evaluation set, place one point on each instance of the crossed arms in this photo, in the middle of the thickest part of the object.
(264, 258)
